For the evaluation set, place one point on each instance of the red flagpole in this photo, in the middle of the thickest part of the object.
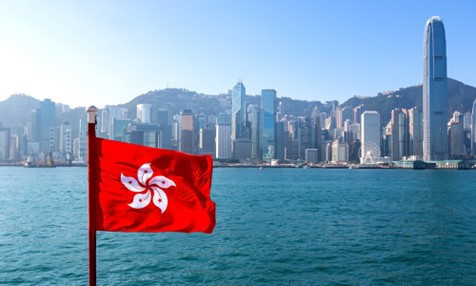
(92, 193)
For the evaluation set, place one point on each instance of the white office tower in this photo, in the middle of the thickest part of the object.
(223, 136)
(143, 113)
(370, 134)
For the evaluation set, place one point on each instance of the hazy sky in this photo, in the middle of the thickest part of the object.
(107, 52)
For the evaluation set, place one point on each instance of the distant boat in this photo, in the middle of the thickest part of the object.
(261, 167)
(306, 167)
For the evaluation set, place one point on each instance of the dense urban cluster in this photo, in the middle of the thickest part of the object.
(261, 132)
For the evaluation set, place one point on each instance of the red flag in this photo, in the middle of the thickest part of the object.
(143, 189)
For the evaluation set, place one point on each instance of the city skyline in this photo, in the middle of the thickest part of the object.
(116, 51)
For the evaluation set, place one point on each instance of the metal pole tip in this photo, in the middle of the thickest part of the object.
(92, 108)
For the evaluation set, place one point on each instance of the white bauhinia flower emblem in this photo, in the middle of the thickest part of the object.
(146, 186)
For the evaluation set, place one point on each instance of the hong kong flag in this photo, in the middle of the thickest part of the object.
(142, 189)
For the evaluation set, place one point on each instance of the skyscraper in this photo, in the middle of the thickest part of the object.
(456, 135)
(143, 112)
(240, 135)
(370, 152)
(473, 128)
(253, 118)
(268, 124)
(415, 132)
(222, 136)
(187, 131)
(435, 92)
(46, 117)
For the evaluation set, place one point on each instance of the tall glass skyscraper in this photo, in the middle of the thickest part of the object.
(435, 92)
(268, 122)
(238, 111)
(239, 130)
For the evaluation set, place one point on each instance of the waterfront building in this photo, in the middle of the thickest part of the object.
(108, 115)
(473, 129)
(43, 125)
(187, 131)
(143, 113)
(118, 129)
(316, 132)
(239, 128)
(354, 129)
(267, 123)
(358, 110)
(456, 135)
(467, 121)
(340, 152)
(415, 131)
(66, 141)
(280, 140)
(83, 142)
(254, 123)
(328, 151)
(311, 155)
(4, 144)
(343, 114)
(370, 150)
(206, 143)
(223, 136)
(163, 116)
(435, 92)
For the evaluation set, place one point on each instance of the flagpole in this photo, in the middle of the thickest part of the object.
(92, 183)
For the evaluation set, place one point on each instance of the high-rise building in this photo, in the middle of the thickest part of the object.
(143, 112)
(163, 116)
(4, 143)
(108, 114)
(456, 135)
(254, 120)
(66, 141)
(370, 148)
(223, 136)
(118, 129)
(45, 125)
(187, 132)
(268, 124)
(311, 155)
(415, 122)
(358, 113)
(280, 140)
(435, 92)
(343, 114)
(340, 152)
(206, 142)
(316, 136)
(473, 128)
(240, 134)
(83, 142)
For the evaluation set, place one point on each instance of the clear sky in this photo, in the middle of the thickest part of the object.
(107, 52)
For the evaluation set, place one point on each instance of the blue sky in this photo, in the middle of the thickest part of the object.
(108, 52)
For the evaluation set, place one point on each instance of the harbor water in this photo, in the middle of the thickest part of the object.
(274, 227)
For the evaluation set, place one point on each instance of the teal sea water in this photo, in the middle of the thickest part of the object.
(274, 227)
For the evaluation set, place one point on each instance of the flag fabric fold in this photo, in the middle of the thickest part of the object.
(143, 189)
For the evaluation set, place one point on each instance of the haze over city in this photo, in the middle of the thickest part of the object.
(108, 52)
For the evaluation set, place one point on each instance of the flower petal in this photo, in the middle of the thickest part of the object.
(140, 201)
(162, 182)
(131, 184)
(160, 199)
(144, 173)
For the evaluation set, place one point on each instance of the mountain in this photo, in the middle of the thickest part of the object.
(460, 98)
(17, 109)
